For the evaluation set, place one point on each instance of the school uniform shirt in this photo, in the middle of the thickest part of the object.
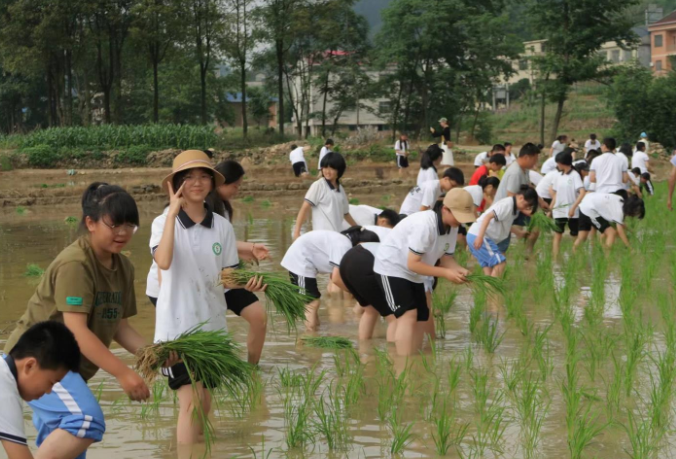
(323, 152)
(480, 159)
(153, 280)
(609, 169)
(427, 174)
(77, 282)
(592, 145)
(329, 205)
(499, 228)
(401, 148)
(558, 147)
(534, 177)
(424, 234)
(567, 188)
(297, 156)
(316, 252)
(548, 166)
(191, 293)
(604, 205)
(364, 215)
(543, 187)
(509, 159)
(381, 231)
(11, 416)
(588, 185)
(646, 143)
(512, 181)
(423, 195)
(477, 194)
(640, 160)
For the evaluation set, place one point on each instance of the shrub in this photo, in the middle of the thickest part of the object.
(42, 156)
(484, 128)
(134, 155)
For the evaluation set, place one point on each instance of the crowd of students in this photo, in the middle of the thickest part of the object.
(388, 261)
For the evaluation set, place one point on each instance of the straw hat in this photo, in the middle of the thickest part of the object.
(460, 202)
(192, 159)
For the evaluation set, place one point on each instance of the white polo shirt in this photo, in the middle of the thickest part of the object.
(547, 181)
(509, 159)
(190, 292)
(534, 177)
(381, 231)
(548, 166)
(567, 188)
(588, 185)
(499, 228)
(477, 194)
(364, 215)
(297, 156)
(421, 195)
(480, 159)
(558, 147)
(422, 233)
(605, 205)
(153, 280)
(11, 415)
(592, 145)
(640, 160)
(323, 152)
(329, 205)
(400, 146)
(316, 252)
(427, 174)
(609, 169)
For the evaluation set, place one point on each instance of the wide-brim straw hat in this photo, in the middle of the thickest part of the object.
(460, 202)
(192, 159)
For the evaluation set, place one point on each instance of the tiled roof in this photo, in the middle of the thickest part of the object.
(666, 20)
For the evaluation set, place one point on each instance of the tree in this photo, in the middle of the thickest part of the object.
(628, 96)
(575, 31)
(259, 105)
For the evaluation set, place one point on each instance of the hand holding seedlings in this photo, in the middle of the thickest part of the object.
(172, 360)
(260, 251)
(255, 284)
(133, 385)
(457, 276)
(176, 201)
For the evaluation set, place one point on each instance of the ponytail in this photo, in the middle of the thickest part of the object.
(430, 155)
(231, 171)
(101, 199)
(357, 235)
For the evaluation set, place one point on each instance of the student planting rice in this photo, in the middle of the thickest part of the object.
(509, 155)
(42, 357)
(640, 158)
(483, 193)
(90, 288)
(544, 187)
(425, 196)
(326, 149)
(495, 225)
(429, 161)
(326, 198)
(567, 193)
(647, 184)
(558, 146)
(401, 149)
(482, 158)
(369, 216)
(191, 245)
(634, 182)
(318, 252)
(444, 141)
(298, 163)
(600, 210)
(406, 260)
(492, 168)
(608, 171)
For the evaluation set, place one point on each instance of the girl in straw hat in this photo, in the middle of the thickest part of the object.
(191, 245)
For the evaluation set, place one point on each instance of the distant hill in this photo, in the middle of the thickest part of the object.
(371, 10)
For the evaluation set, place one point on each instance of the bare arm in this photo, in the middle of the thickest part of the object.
(164, 253)
(449, 262)
(672, 185)
(302, 215)
(552, 193)
(350, 220)
(16, 451)
(415, 264)
(127, 337)
(623, 235)
(592, 176)
(625, 177)
(424, 208)
(577, 202)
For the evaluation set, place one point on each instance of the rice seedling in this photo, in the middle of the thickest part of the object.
(264, 454)
(401, 434)
(266, 204)
(613, 388)
(248, 199)
(298, 422)
(288, 378)
(511, 374)
(636, 345)
(644, 437)
(443, 435)
(152, 406)
(385, 198)
(354, 387)
(662, 387)
(330, 423)
(476, 313)
(469, 358)
(586, 426)
(327, 342)
(489, 336)
(288, 301)
(20, 210)
(532, 411)
(540, 221)
(33, 270)
(70, 220)
(454, 374)
(486, 284)
(443, 303)
(490, 412)
(541, 352)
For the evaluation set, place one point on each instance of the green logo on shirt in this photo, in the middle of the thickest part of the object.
(448, 246)
(217, 248)
(74, 300)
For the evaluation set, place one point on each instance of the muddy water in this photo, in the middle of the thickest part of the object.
(133, 431)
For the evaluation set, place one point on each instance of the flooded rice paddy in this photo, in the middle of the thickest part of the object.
(576, 361)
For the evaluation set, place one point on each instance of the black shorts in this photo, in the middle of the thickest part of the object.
(402, 161)
(179, 377)
(573, 224)
(153, 300)
(402, 296)
(299, 168)
(356, 270)
(308, 285)
(587, 223)
(547, 200)
(237, 299)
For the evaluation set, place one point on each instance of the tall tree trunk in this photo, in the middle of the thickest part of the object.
(476, 118)
(395, 112)
(279, 46)
(326, 96)
(50, 99)
(69, 88)
(557, 117)
(458, 126)
(156, 93)
(242, 76)
(203, 94)
(543, 99)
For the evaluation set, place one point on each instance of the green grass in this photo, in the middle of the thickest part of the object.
(71, 220)
(20, 210)
(33, 270)
(327, 342)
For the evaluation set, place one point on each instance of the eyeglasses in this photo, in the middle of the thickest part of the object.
(200, 178)
(117, 229)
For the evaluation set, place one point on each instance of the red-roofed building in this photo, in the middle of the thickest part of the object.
(663, 44)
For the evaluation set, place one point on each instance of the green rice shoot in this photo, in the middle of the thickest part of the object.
(285, 296)
(487, 284)
(540, 221)
(34, 271)
(327, 342)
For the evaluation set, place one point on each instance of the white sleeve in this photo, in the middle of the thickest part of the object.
(345, 201)
(156, 232)
(577, 181)
(421, 239)
(478, 160)
(11, 419)
(429, 195)
(503, 209)
(314, 194)
(229, 257)
(616, 211)
(625, 163)
(338, 250)
(454, 240)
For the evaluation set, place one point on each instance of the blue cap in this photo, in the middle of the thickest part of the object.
(643, 134)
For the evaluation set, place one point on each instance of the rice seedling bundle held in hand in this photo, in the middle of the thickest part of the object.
(327, 342)
(540, 221)
(285, 296)
(489, 284)
(211, 357)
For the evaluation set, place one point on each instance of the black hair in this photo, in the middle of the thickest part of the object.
(498, 159)
(101, 199)
(610, 143)
(529, 149)
(507, 144)
(231, 171)
(561, 138)
(634, 207)
(564, 158)
(498, 147)
(649, 184)
(636, 170)
(646, 176)
(455, 174)
(569, 150)
(328, 142)
(539, 146)
(591, 154)
(430, 155)
(640, 146)
(487, 180)
(52, 344)
(357, 235)
(530, 195)
(294, 146)
(626, 150)
(391, 216)
(209, 152)
(334, 161)
(592, 136)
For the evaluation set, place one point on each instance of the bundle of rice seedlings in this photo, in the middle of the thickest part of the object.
(210, 356)
(488, 284)
(540, 221)
(285, 296)
(327, 342)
